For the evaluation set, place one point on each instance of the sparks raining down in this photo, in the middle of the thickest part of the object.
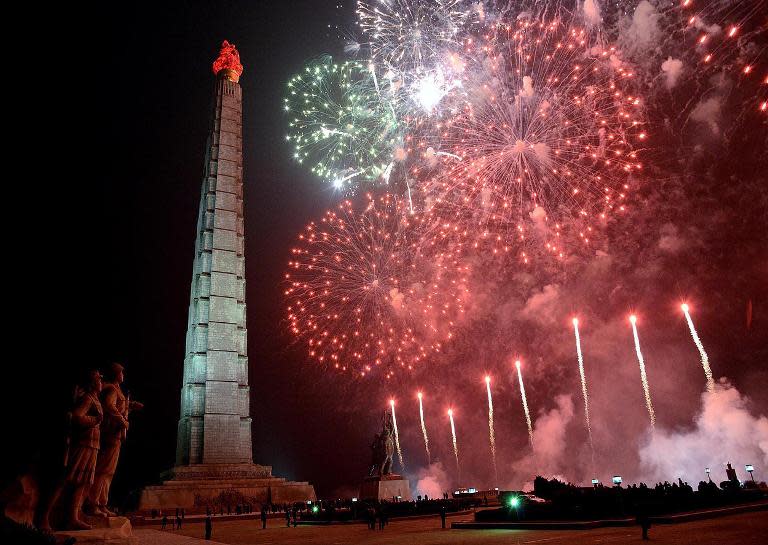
(525, 402)
(424, 428)
(455, 444)
(397, 435)
(583, 381)
(491, 432)
(697, 342)
(643, 377)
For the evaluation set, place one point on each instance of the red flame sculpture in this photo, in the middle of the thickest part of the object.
(229, 61)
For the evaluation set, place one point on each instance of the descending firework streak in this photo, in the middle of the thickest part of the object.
(525, 402)
(700, 347)
(424, 428)
(338, 125)
(397, 435)
(362, 293)
(549, 132)
(643, 377)
(455, 444)
(491, 432)
(583, 381)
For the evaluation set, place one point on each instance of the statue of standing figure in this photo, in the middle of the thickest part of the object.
(82, 451)
(117, 406)
(383, 448)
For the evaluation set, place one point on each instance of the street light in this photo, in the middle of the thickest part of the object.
(595, 482)
(617, 480)
(706, 469)
(750, 468)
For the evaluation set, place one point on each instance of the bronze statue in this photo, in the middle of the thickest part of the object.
(80, 459)
(113, 431)
(383, 448)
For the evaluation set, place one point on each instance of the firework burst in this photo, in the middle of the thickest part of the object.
(366, 293)
(549, 132)
(338, 125)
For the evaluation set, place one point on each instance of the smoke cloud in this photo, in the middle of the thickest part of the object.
(723, 431)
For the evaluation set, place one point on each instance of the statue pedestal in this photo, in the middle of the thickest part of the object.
(108, 531)
(386, 488)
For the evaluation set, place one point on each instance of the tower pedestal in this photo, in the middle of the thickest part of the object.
(387, 488)
(197, 487)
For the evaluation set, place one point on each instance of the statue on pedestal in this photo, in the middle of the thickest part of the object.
(383, 448)
(82, 451)
(113, 432)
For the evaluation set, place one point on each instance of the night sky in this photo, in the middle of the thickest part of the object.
(126, 162)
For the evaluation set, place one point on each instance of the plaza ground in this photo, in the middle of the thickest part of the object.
(742, 529)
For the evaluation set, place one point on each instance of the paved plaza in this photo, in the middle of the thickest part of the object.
(743, 529)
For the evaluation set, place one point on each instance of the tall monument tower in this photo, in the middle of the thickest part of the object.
(213, 448)
(215, 426)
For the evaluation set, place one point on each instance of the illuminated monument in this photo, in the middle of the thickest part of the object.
(213, 451)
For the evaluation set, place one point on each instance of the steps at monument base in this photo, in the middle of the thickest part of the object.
(206, 484)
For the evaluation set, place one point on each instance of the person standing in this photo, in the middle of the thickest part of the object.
(208, 527)
(165, 522)
(287, 518)
(644, 520)
(263, 517)
(178, 522)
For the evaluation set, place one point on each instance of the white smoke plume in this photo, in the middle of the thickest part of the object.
(432, 481)
(723, 431)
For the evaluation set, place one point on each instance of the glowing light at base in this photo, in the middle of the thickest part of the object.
(643, 376)
(397, 435)
(700, 347)
(525, 402)
(455, 444)
(584, 392)
(424, 427)
(491, 432)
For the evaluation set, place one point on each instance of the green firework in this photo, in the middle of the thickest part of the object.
(338, 124)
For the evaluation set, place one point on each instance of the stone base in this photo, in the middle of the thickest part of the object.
(196, 487)
(110, 531)
(387, 488)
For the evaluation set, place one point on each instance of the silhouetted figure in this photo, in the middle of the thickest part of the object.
(178, 523)
(644, 520)
(165, 522)
(208, 527)
(295, 516)
(263, 517)
(442, 516)
(287, 518)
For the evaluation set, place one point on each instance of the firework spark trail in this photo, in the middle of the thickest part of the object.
(643, 377)
(397, 435)
(455, 444)
(424, 429)
(491, 432)
(525, 402)
(702, 352)
(583, 381)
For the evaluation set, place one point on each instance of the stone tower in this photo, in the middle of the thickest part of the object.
(214, 464)
(215, 426)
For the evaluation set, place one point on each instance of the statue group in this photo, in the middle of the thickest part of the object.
(383, 448)
(98, 423)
